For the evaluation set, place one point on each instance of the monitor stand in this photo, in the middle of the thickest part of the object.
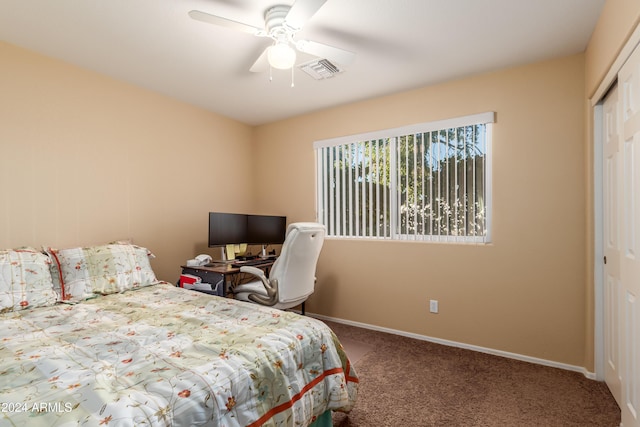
(223, 257)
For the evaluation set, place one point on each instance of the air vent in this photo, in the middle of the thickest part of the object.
(320, 69)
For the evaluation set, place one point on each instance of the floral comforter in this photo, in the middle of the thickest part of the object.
(164, 356)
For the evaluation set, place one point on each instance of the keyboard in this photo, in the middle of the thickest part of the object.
(258, 261)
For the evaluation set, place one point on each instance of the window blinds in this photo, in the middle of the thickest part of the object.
(429, 181)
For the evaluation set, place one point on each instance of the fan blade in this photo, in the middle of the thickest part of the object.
(321, 50)
(301, 12)
(224, 22)
(261, 63)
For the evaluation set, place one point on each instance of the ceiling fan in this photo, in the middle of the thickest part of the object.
(282, 22)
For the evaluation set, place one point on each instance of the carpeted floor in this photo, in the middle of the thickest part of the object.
(406, 382)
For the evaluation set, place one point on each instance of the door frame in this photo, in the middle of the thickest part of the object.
(598, 237)
(598, 245)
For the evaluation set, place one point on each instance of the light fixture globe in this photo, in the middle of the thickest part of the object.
(281, 56)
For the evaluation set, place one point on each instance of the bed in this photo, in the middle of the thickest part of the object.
(101, 341)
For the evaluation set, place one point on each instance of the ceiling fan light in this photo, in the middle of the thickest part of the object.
(281, 56)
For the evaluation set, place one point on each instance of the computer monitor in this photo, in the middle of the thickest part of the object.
(227, 229)
(266, 229)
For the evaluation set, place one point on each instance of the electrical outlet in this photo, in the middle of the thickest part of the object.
(433, 306)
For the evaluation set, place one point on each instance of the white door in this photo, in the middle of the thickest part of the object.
(612, 140)
(629, 93)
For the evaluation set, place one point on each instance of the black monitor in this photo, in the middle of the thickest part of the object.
(266, 229)
(227, 229)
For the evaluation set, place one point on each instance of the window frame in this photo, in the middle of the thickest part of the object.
(487, 119)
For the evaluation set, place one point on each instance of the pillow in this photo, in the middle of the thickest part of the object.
(25, 280)
(81, 273)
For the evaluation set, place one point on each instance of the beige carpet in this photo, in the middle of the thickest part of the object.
(406, 382)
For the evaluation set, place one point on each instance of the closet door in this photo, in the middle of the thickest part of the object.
(629, 87)
(611, 215)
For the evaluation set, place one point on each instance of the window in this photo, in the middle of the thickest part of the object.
(429, 182)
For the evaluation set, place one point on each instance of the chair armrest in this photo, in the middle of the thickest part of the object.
(271, 286)
(255, 271)
(272, 294)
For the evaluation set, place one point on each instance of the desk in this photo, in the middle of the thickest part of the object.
(225, 272)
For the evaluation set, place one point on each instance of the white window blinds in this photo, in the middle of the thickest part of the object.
(429, 181)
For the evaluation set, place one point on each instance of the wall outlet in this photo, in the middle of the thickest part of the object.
(433, 306)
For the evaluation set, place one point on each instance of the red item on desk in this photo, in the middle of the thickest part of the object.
(189, 279)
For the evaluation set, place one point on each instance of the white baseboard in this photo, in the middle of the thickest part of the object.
(544, 362)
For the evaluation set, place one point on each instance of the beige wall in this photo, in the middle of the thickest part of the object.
(615, 24)
(85, 159)
(525, 292)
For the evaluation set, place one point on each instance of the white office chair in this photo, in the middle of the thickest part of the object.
(292, 277)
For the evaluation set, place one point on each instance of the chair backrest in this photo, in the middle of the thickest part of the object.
(295, 268)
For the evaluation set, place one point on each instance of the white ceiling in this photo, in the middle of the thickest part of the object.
(400, 45)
